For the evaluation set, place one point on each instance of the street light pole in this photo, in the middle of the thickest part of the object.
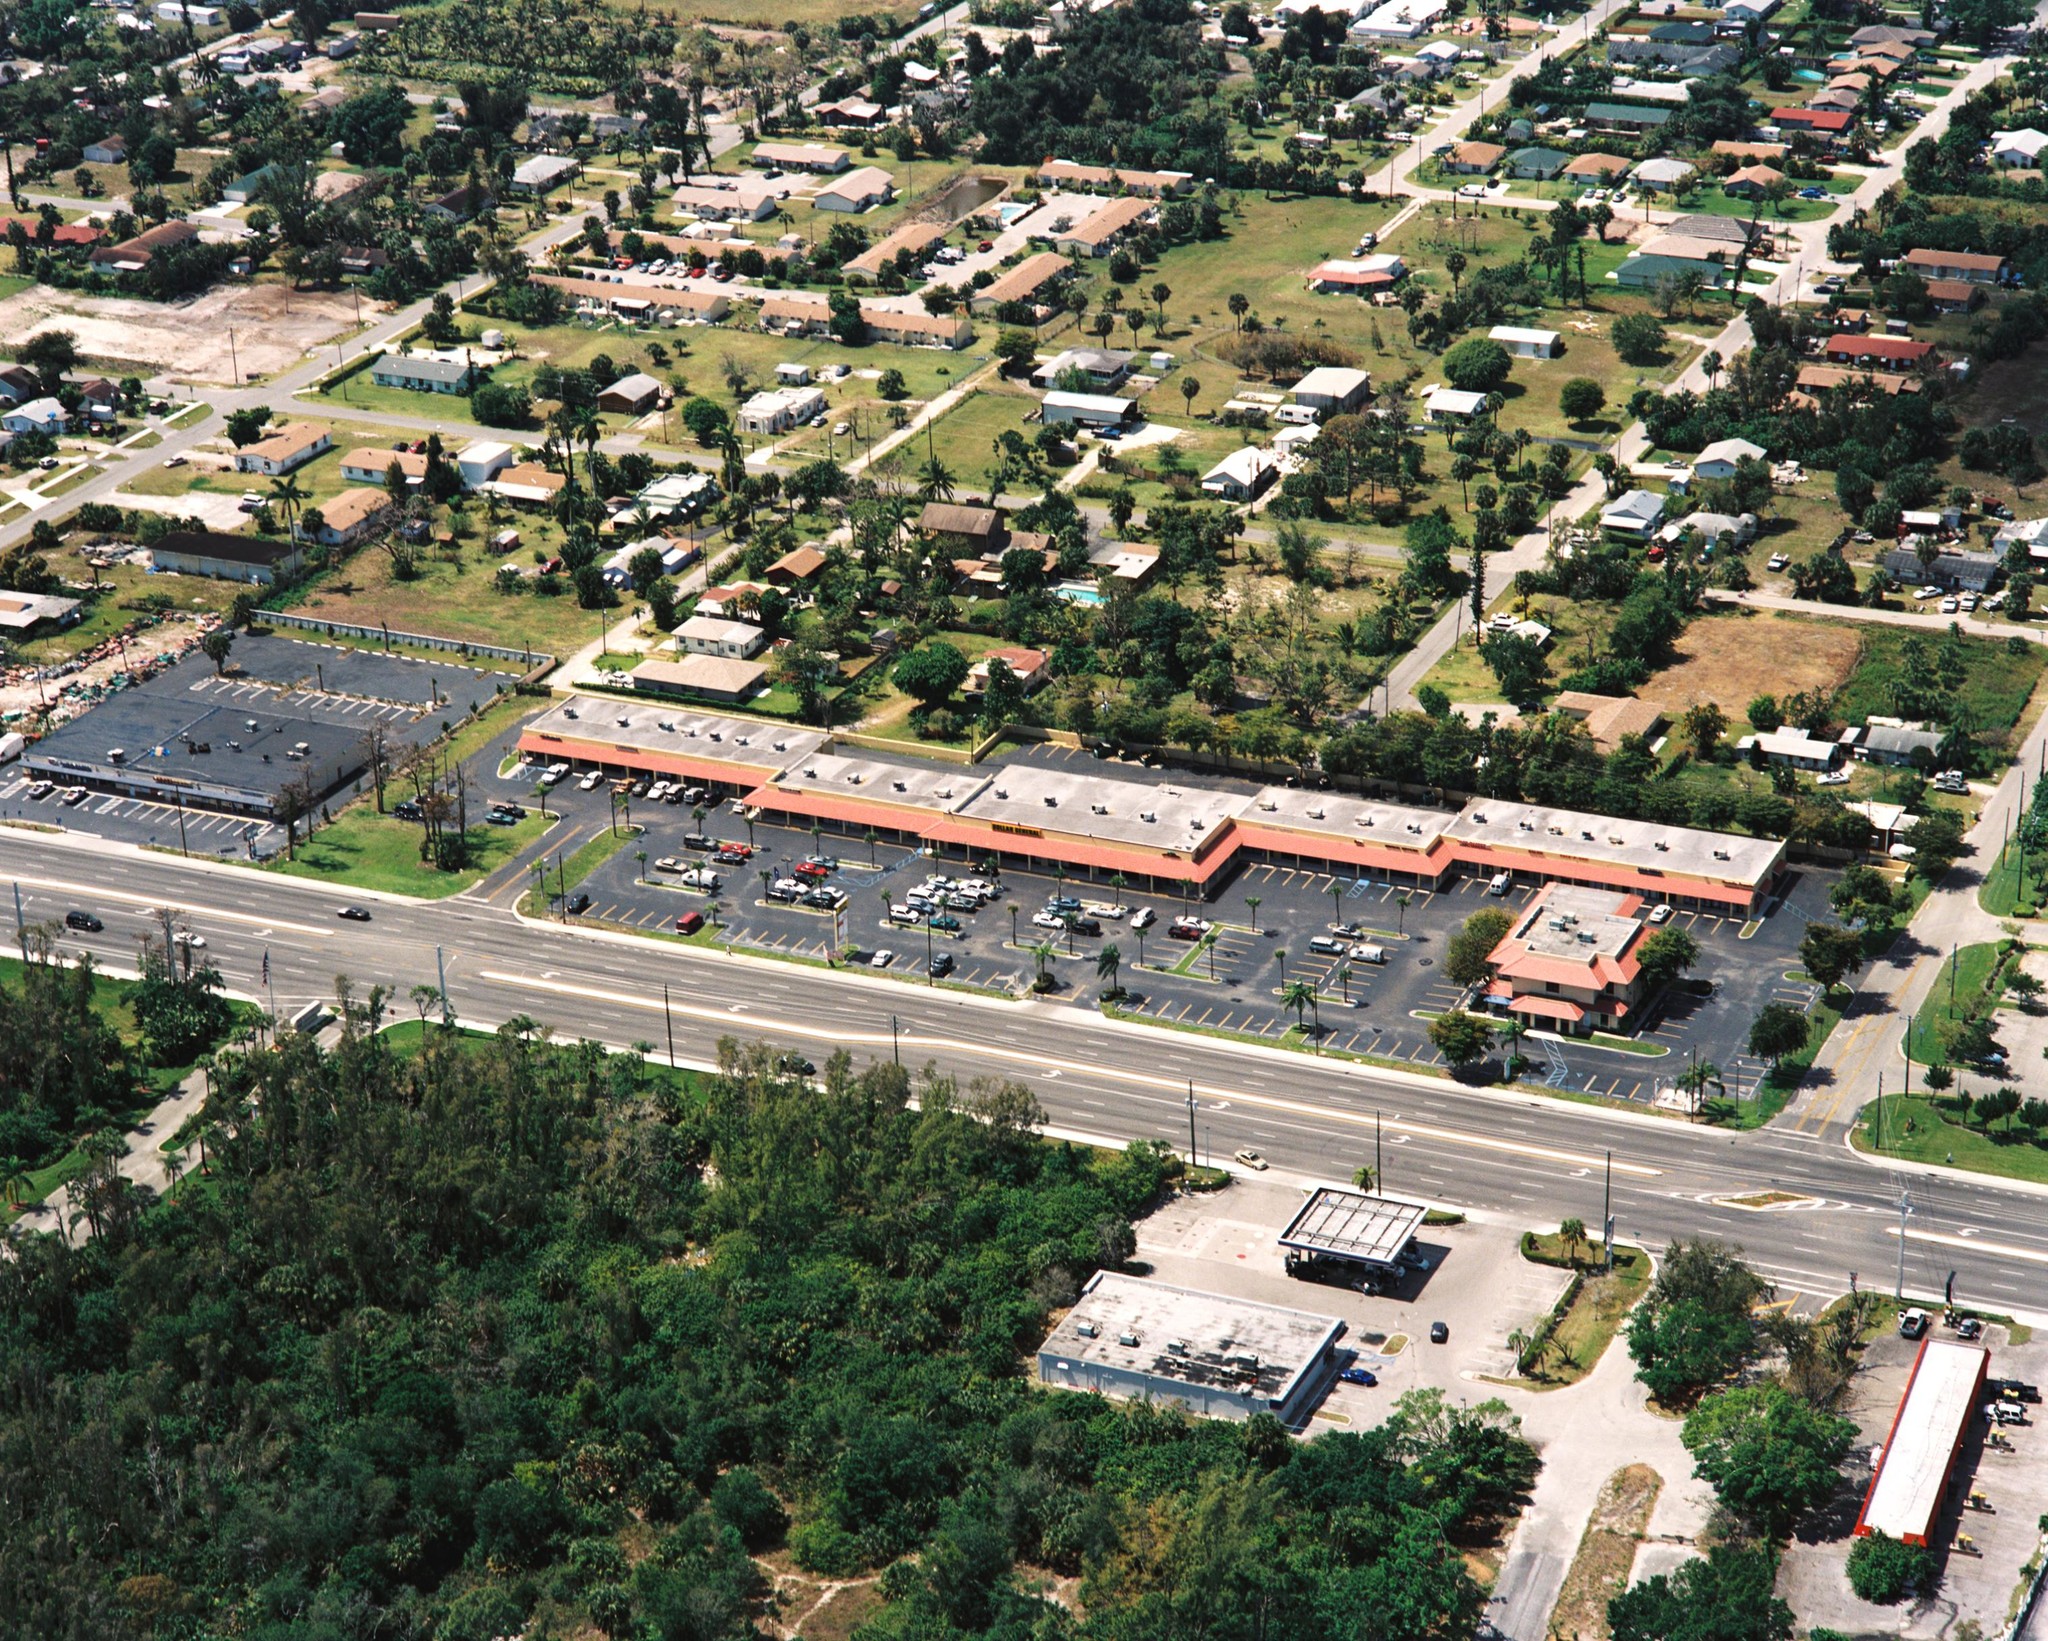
(669, 1021)
(1191, 1123)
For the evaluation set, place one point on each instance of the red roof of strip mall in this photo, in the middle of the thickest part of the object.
(1535, 970)
(1074, 852)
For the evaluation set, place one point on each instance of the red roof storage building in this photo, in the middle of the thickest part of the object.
(1906, 1494)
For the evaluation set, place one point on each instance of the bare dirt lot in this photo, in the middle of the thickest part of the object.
(1731, 659)
(188, 340)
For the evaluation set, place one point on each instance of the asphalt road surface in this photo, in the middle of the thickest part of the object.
(1529, 1158)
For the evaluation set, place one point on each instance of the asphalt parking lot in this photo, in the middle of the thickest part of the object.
(1382, 1010)
(143, 821)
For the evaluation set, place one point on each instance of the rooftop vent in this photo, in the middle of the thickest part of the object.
(1721, 854)
(1002, 792)
(1147, 816)
(568, 712)
(1177, 1347)
(900, 786)
(1557, 831)
(1313, 814)
(625, 722)
(855, 780)
(1615, 839)
(1526, 826)
(1268, 805)
(1099, 808)
(1585, 836)
(1478, 820)
(1051, 802)
(810, 774)
(1662, 847)
(1585, 937)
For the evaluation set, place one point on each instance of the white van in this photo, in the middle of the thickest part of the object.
(1368, 954)
(1499, 885)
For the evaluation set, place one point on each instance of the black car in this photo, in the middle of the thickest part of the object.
(795, 1065)
(941, 965)
(577, 904)
(1438, 1333)
(83, 920)
(408, 810)
(1085, 925)
(355, 914)
(514, 811)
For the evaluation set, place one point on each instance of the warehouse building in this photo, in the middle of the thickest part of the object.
(1218, 1357)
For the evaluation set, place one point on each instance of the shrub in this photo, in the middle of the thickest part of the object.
(1884, 1570)
(1476, 365)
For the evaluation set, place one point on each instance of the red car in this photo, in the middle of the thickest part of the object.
(689, 923)
(812, 874)
(988, 245)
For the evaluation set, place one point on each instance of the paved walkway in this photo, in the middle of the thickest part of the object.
(144, 1162)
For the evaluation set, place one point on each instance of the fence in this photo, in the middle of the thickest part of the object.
(527, 658)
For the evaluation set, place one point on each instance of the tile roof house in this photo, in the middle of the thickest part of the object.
(347, 518)
(1979, 270)
(1539, 163)
(133, 255)
(1890, 350)
(856, 190)
(1610, 719)
(1473, 159)
(1570, 961)
(283, 448)
(1600, 166)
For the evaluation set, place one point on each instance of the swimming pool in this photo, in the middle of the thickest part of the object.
(1814, 75)
(1009, 211)
(1078, 592)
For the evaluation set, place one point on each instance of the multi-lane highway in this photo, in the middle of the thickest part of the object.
(1530, 1158)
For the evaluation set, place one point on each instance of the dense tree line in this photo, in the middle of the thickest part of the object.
(499, 1334)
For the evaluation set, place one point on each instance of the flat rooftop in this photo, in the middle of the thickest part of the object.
(1638, 845)
(1346, 815)
(937, 787)
(1196, 1338)
(647, 727)
(1155, 814)
(1354, 1225)
(1905, 1495)
(1577, 924)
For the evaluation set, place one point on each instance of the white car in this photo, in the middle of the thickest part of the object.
(1928, 592)
(1048, 920)
(1473, 190)
(1832, 777)
(1660, 914)
(1968, 601)
(1102, 908)
(881, 959)
(1328, 945)
(1778, 561)
(1948, 606)
(1251, 1159)
(185, 937)
(669, 863)
(591, 782)
(1144, 917)
(699, 877)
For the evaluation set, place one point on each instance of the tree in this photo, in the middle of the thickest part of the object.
(51, 354)
(1883, 1570)
(215, 646)
(1769, 1456)
(501, 404)
(1830, 953)
(1467, 952)
(1728, 1596)
(1695, 1326)
(1705, 723)
(891, 386)
(932, 672)
(1016, 349)
(1476, 365)
(1779, 1030)
(705, 418)
(1459, 1037)
(1581, 399)
(1107, 962)
(1667, 954)
(1639, 339)
(1936, 839)
(1572, 1233)
(245, 427)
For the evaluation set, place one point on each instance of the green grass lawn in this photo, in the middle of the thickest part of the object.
(1580, 1337)
(374, 851)
(1997, 681)
(1920, 1130)
(1775, 1087)
(963, 438)
(577, 867)
(1963, 977)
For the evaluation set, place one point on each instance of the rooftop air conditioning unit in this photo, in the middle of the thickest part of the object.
(1478, 820)
(1051, 802)
(946, 792)
(1127, 1339)
(1268, 805)
(1585, 937)
(854, 780)
(1087, 1330)
(810, 774)
(1614, 839)
(782, 746)
(1197, 825)
(1147, 816)
(1526, 826)
(568, 712)
(1721, 854)
(900, 786)
(718, 734)
(1557, 831)
(1662, 846)
(1366, 820)
(1315, 814)
(625, 723)
(1585, 836)
(1002, 793)
(1099, 808)
(1178, 1347)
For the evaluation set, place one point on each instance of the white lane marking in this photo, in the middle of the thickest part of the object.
(155, 901)
(1174, 1085)
(1974, 1244)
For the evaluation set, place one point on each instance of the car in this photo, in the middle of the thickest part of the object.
(407, 809)
(2015, 1390)
(1813, 193)
(1328, 945)
(497, 817)
(83, 920)
(786, 888)
(986, 245)
(41, 789)
(2002, 1412)
(962, 900)
(1777, 561)
(1660, 914)
(940, 966)
(1912, 1323)
(174, 461)
(1062, 903)
(881, 958)
(1359, 1376)
(1969, 1328)
(689, 923)
(1048, 920)
(1968, 601)
(826, 900)
(1251, 1159)
(945, 922)
(1438, 1333)
(591, 782)
(185, 937)
(1948, 606)
(829, 862)
(698, 841)
(1348, 931)
(354, 914)
(700, 877)
(795, 1065)
(840, 429)
(727, 855)
(577, 904)
(1928, 592)
(516, 810)
(1186, 929)
(74, 796)
(900, 913)
(1085, 925)
(1143, 918)
(812, 870)
(1104, 908)
(641, 787)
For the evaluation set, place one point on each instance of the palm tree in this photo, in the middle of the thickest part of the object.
(1254, 902)
(1572, 1233)
(1518, 1343)
(1209, 945)
(1697, 1078)
(869, 840)
(1514, 1029)
(1280, 963)
(1299, 995)
(1401, 900)
(1337, 901)
(1041, 954)
(1117, 883)
(1012, 908)
(289, 493)
(934, 482)
(1107, 962)
(1239, 305)
(1344, 980)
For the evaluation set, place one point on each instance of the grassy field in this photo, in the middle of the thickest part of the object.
(1595, 1314)
(1997, 681)
(374, 851)
(1964, 975)
(1920, 1130)
(1607, 1552)
(963, 438)
(1732, 658)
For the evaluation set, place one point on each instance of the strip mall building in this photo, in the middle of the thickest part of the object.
(1175, 835)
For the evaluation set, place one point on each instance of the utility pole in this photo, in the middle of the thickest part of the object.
(669, 1021)
(441, 972)
(1607, 1217)
(1191, 1122)
(179, 796)
(895, 1042)
(1905, 1208)
(1379, 1166)
(21, 923)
